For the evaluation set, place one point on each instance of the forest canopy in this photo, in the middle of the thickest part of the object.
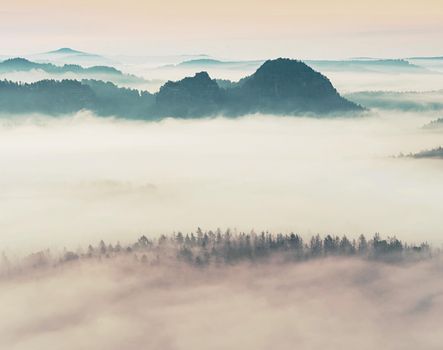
(207, 248)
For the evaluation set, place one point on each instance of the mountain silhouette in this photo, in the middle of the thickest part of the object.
(66, 51)
(281, 87)
(285, 86)
(194, 96)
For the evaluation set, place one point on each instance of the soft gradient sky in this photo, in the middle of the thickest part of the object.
(229, 28)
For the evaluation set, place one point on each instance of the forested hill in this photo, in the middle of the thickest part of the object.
(285, 86)
(69, 96)
(216, 247)
(282, 86)
(436, 153)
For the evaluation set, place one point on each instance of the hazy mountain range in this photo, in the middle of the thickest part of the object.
(106, 73)
(351, 65)
(65, 55)
(70, 56)
(403, 101)
(281, 86)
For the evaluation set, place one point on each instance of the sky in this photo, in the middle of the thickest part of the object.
(229, 28)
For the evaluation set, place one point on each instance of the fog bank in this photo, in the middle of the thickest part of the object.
(79, 179)
(324, 304)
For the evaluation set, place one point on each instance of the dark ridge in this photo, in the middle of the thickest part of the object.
(285, 86)
(46, 96)
(191, 97)
(282, 87)
(69, 96)
(110, 100)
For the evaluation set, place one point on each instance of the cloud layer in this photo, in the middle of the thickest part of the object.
(327, 303)
(81, 179)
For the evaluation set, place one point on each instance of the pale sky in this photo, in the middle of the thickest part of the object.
(228, 28)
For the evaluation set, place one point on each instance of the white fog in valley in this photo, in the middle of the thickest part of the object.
(76, 180)
(341, 304)
(231, 175)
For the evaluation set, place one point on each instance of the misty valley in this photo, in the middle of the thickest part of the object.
(195, 202)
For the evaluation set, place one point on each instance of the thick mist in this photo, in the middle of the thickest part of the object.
(330, 303)
(425, 101)
(75, 180)
(348, 82)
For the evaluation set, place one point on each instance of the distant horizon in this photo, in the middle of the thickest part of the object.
(53, 50)
(244, 29)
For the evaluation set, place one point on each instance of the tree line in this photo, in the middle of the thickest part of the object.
(211, 248)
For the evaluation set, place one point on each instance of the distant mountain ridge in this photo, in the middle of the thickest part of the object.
(70, 56)
(67, 50)
(368, 65)
(281, 86)
(355, 65)
(210, 62)
(426, 58)
(403, 101)
(19, 64)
